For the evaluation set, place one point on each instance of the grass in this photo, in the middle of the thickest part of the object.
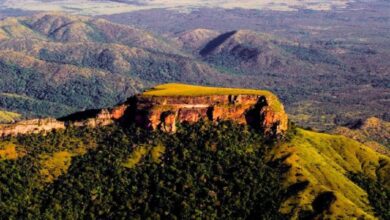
(324, 161)
(7, 117)
(177, 89)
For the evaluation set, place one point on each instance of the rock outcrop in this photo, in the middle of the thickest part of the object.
(31, 126)
(263, 112)
(156, 112)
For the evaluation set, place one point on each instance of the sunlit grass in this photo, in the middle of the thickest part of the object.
(324, 161)
(178, 89)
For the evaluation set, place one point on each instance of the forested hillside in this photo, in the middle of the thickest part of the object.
(71, 63)
(202, 171)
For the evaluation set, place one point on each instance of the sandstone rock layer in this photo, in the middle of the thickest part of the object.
(261, 111)
(165, 112)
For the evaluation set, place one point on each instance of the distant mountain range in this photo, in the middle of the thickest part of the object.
(54, 64)
(94, 7)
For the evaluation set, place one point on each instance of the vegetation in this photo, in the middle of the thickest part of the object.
(8, 151)
(203, 171)
(6, 117)
(311, 55)
(318, 163)
(71, 63)
(378, 194)
(177, 89)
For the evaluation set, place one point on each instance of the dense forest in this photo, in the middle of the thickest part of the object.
(203, 171)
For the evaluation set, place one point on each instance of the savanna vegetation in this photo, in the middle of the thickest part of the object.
(203, 171)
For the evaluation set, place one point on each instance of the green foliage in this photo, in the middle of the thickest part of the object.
(378, 194)
(48, 99)
(312, 55)
(203, 171)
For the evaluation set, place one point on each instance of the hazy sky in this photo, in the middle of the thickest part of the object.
(114, 6)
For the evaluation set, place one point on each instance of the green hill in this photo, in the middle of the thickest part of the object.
(73, 63)
(202, 171)
(321, 163)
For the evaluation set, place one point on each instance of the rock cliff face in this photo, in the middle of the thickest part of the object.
(31, 126)
(166, 112)
(156, 112)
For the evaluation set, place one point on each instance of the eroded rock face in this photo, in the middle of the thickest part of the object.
(164, 113)
(31, 126)
(156, 112)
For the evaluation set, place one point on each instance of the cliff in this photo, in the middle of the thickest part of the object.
(165, 106)
(31, 126)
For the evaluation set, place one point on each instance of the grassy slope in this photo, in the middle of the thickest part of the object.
(324, 160)
(6, 117)
(373, 132)
(177, 89)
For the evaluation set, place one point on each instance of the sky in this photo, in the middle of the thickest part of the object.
(100, 7)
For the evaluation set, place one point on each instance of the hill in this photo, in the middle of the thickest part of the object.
(373, 132)
(208, 167)
(314, 79)
(320, 164)
(194, 40)
(71, 63)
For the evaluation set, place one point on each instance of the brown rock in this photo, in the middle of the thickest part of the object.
(169, 122)
(164, 112)
(118, 112)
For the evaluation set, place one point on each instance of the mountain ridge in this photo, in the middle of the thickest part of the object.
(118, 61)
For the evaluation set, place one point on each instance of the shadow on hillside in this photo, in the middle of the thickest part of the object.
(216, 42)
(80, 116)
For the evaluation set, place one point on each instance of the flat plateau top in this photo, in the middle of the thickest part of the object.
(177, 89)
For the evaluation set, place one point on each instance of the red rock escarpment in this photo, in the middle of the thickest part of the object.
(165, 112)
(159, 112)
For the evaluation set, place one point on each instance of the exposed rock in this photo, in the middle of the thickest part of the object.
(156, 112)
(165, 112)
(31, 126)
